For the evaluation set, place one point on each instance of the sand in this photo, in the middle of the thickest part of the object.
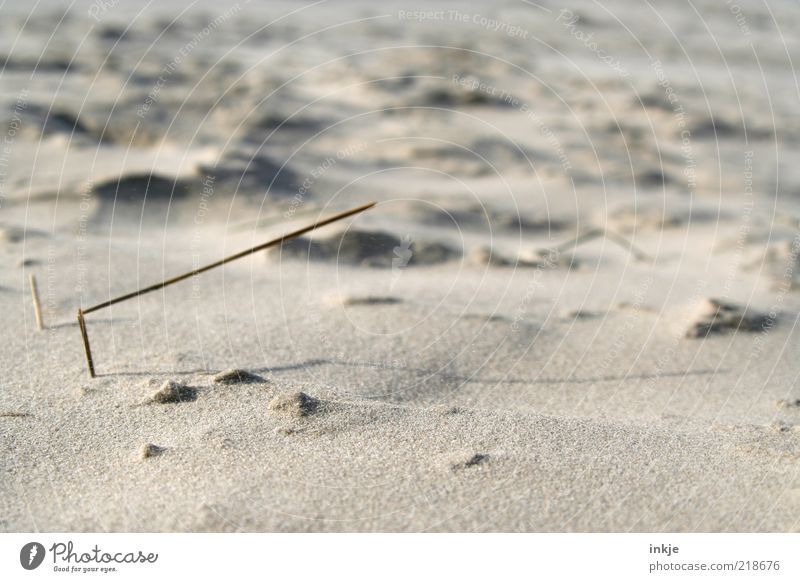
(450, 360)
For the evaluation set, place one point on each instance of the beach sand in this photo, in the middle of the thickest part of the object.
(450, 360)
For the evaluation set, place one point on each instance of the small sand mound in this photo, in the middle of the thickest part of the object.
(18, 234)
(484, 317)
(657, 100)
(581, 314)
(717, 127)
(148, 450)
(138, 187)
(471, 461)
(483, 153)
(480, 217)
(653, 177)
(547, 259)
(41, 65)
(235, 376)
(112, 33)
(715, 316)
(486, 257)
(272, 120)
(782, 260)
(446, 410)
(782, 427)
(340, 299)
(789, 404)
(172, 392)
(248, 172)
(450, 96)
(365, 248)
(514, 222)
(653, 217)
(40, 121)
(297, 404)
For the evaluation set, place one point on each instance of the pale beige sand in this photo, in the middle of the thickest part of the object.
(456, 373)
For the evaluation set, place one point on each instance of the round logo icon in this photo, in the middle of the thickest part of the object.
(31, 555)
